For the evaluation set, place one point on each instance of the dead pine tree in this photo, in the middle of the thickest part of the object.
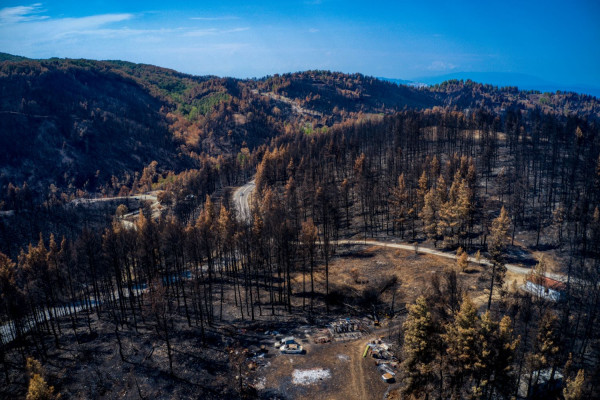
(161, 308)
(308, 237)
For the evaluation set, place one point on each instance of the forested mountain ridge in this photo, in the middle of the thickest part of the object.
(82, 124)
(469, 94)
(335, 94)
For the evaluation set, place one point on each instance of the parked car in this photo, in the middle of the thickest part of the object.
(289, 345)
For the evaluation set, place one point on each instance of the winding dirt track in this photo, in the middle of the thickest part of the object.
(241, 199)
(242, 194)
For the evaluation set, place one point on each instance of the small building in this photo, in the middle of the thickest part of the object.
(545, 287)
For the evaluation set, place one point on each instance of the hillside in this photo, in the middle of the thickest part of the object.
(331, 93)
(468, 94)
(81, 124)
(78, 123)
(71, 125)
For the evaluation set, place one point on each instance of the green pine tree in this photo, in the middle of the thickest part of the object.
(419, 348)
(463, 351)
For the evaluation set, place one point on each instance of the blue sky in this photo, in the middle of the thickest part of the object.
(552, 40)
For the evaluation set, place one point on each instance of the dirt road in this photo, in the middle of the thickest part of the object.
(424, 250)
(241, 199)
(127, 220)
(358, 379)
(242, 194)
(141, 197)
(296, 108)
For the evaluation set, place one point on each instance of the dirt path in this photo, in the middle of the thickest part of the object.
(241, 199)
(356, 370)
(127, 220)
(296, 108)
(151, 196)
(243, 193)
(517, 269)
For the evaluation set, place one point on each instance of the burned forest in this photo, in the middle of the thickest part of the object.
(308, 235)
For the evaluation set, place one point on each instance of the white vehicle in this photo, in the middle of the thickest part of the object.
(290, 346)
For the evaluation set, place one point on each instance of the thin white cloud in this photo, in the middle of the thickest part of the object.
(234, 30)
(313, 30)
(115, 33)
(224, 18)
(28, 24)
(441, 66)
(10, 15)
(29, 28)
(201, 32)
(213, 32)
(86, 23)
(27, 31)
(213, 48)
